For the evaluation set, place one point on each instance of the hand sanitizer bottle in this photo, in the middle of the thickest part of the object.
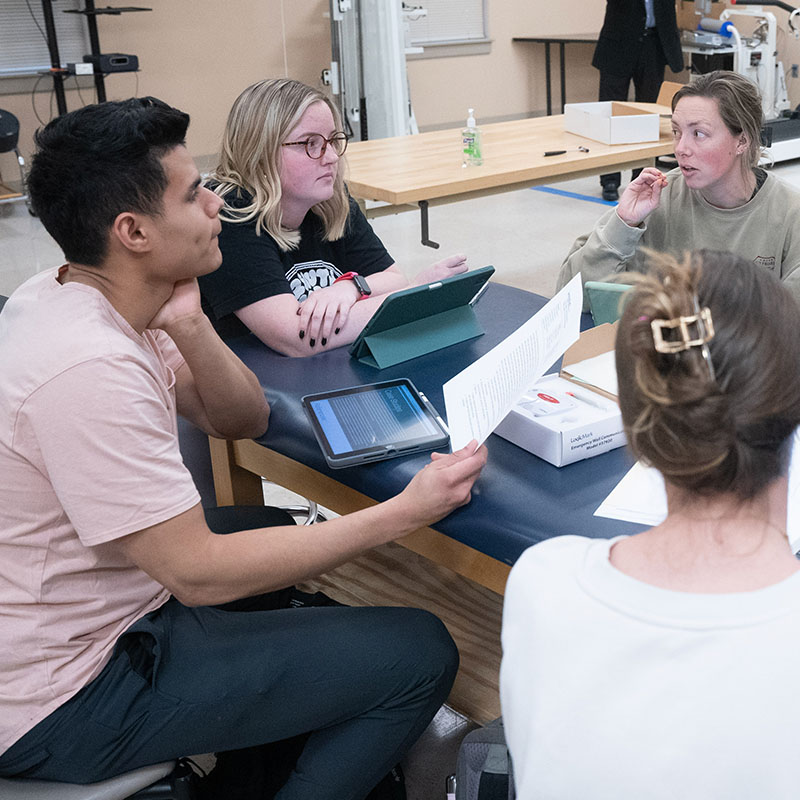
(471, 143)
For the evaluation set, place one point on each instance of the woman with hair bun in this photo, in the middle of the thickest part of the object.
(718, 197)
(301, 266)
(665, 664)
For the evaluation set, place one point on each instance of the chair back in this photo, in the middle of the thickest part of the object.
(9, 131)
(606, 300)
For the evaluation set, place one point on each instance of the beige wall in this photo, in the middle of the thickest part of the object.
(199, 54)
(510, 81)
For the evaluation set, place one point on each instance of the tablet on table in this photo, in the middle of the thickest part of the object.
(421, 319)
(375, 421)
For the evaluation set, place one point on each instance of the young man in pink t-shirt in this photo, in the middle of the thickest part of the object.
(113, 650)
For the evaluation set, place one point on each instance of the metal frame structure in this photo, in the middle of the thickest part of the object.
(368, 75)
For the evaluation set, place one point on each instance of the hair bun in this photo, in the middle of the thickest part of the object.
(715, 417)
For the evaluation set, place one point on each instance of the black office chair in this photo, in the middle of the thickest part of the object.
(9, 139)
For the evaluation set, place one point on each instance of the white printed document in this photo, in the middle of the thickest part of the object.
(479, 397)
(640, 497)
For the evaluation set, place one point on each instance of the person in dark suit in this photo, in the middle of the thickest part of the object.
(638, 39)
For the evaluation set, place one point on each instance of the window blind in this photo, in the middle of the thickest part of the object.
(449, 21)
(23, 48)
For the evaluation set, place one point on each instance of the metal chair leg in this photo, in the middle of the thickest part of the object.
(310, 513)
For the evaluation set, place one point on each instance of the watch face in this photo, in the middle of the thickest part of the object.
(362, 285)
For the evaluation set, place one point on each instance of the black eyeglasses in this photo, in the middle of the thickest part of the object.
(317, 144)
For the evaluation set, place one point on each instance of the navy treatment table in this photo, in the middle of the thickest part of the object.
(519, 499)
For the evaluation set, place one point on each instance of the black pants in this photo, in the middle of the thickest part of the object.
(363, 683)
(647, 77)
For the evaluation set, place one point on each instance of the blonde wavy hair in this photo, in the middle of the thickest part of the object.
(261, 118)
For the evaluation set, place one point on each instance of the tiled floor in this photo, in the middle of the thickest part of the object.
(524, 234)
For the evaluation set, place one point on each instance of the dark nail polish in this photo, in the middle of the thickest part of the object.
(336, 331)
(313, 342)
(324, 341)
(302, 334)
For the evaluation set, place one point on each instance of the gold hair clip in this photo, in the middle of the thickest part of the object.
(702, 331)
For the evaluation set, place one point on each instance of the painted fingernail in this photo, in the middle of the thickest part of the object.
(313, 342)
(302, 334)
(336, 331)
(324, 341)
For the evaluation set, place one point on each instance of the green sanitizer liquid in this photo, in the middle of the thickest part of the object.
(471, 143)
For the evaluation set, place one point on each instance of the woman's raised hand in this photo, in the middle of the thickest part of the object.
(641, 196)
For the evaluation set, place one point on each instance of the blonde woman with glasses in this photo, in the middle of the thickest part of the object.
(302, 268)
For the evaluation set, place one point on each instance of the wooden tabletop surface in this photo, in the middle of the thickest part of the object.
(427, 166)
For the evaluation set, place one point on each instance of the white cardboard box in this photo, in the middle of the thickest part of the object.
(561, 421)
(611, 122)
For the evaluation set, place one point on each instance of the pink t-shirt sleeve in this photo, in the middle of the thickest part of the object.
(168, 349)
(106, 433)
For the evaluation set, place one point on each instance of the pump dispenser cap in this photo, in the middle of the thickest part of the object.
(470, 118)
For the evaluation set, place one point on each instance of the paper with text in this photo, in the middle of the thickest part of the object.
(479, 397)
(640, 497)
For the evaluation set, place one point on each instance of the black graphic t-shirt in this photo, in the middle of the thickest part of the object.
(254, 267)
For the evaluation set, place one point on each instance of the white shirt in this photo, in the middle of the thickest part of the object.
(613, 688)
(650, 14)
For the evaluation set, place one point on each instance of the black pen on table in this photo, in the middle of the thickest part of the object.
(580, 149)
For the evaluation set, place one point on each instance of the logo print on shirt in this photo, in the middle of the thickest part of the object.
(765, 261)
(309, 276)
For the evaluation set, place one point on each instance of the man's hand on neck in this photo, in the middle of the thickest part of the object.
(182, 307)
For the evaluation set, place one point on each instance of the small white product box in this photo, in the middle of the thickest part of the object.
(562, 420)
(611, 122)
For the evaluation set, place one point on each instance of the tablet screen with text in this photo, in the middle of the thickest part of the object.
(373, 422)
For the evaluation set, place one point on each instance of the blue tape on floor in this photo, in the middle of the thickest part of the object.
(563, 193)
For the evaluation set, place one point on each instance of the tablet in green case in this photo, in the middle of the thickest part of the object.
(421, 319)
(373, 422)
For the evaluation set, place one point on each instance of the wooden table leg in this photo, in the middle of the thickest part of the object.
(547, 78)
(233, 484)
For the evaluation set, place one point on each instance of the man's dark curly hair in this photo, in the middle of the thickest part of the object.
(94, 163)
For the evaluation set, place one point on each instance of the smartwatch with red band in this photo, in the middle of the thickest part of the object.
(359, 281)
